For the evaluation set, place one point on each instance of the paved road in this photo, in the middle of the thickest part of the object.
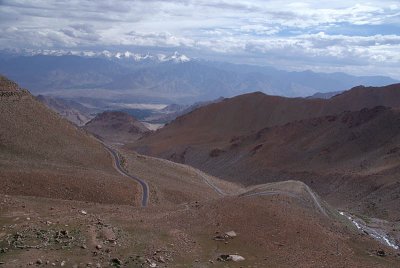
(118, 167)
(277, 192)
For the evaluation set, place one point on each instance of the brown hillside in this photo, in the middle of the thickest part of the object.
(254, 111)
(70, 110)
(7, 85)
(42, 154)
(116, 127)
(256, 138)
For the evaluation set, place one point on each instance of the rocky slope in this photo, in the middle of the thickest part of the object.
(42, 154)
(256, 138)
(116, 127)
(70, 110)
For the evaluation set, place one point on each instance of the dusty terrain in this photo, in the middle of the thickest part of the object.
(277, 230)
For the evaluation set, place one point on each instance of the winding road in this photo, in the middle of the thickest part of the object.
(118, 167)
(278, 192)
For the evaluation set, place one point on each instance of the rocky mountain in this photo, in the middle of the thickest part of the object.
(173, 111)
(326, 95)
(331, 144)
(117, 127)
(42, 154)
(71, 110)
(62, 198)
(163, 78)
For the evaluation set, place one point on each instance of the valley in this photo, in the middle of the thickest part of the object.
(201, 134)
(81, 197)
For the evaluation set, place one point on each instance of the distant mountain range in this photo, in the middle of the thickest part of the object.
(176, 78)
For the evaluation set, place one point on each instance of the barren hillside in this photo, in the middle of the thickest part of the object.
(350, 157)
(116, 127)
(42, 154)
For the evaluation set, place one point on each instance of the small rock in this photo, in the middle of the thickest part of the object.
(153, 265)
(99, 247)
(30, 263)
(381, 253)
(232, 257)
(84, 247)
(2, 263)
(231, 234)
(116, 261)
(28, 219)
(236, 258)
(83, 212)
(39, 262)
(63, 263)
(89, 264)
(161, 259)
(98, 265)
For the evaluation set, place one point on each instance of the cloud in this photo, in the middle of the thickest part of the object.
(320, 34)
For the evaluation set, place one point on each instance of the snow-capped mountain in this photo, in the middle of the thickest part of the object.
(113, 55)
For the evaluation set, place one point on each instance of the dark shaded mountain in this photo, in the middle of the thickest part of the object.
(171, 112)
(327, 95)
(170, 81)
(42, 73)
(117, 127)
(42, 154)
(255, 138)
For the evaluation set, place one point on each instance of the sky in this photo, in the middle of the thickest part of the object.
(357, 37)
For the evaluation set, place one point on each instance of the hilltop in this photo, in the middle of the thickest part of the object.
(114, 126)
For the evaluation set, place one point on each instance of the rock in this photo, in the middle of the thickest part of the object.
(84, 247)
(83, 212)
(39, 262)
(1, 263)
(381, 253)
(153, 265)
(161, 259)
(98, 265)
(232, 257)
(99, 247)
(63, 263)
(236, 258)
(231, 234)
(116, 261)
(219, 238)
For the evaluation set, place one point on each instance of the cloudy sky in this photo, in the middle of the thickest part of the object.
(358, 37)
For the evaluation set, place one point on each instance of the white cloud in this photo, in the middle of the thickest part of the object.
(280, 32)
